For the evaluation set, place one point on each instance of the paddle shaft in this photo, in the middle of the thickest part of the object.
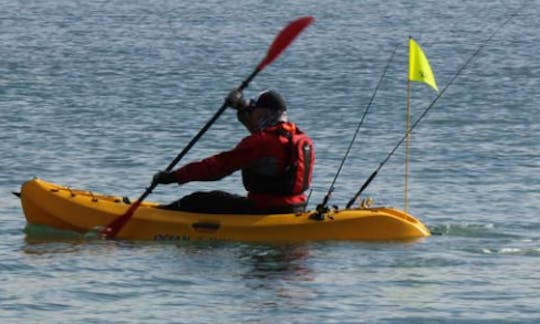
(280, 43)
(196, 138)
(115, 226)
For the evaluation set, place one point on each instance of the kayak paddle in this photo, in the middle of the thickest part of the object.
(280, 43)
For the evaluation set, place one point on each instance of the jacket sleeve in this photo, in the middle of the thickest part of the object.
(222, 164)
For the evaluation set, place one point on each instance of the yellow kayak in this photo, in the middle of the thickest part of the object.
(64, 208)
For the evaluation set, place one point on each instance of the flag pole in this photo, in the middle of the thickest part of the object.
(407, 146)
(419, 70)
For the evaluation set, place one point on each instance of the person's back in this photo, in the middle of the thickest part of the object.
(281, 172)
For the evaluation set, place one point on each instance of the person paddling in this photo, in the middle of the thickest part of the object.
(276, 161)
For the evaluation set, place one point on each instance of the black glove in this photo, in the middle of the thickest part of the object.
(163, 177)
(235, 99)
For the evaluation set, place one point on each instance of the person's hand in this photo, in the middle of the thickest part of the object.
(163, 177)
(235, 99)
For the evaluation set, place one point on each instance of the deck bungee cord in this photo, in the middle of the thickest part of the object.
(431, 105)
(322, 207)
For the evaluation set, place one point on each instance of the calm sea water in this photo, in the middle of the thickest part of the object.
(99, 95)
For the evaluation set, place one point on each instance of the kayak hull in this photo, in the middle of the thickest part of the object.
(60, 207)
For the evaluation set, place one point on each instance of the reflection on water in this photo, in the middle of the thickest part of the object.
(278, 277)
(277, 262)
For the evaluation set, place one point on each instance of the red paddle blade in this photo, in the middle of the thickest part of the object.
(284, 38)
(116, 225)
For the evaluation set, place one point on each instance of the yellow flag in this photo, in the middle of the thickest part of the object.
(419, 68)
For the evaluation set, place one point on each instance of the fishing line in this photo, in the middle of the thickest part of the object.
(321, 207)
(374, 174)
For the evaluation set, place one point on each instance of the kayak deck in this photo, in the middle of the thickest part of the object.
(60, 207)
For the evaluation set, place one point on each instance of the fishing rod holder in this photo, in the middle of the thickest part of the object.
(322, 211)
(366, 203)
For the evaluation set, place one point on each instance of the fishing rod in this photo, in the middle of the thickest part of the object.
(321, 208)
(439, 95)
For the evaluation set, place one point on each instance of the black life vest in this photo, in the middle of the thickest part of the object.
(296, 176)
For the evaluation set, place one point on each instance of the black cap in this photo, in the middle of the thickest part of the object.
(272, 100)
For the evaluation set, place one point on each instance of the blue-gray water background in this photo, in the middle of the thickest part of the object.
(99, 95)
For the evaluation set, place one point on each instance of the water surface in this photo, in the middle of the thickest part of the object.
(99, 95)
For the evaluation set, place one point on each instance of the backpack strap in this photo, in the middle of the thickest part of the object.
(288, 135)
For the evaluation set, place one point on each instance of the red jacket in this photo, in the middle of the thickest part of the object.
(263, 153)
